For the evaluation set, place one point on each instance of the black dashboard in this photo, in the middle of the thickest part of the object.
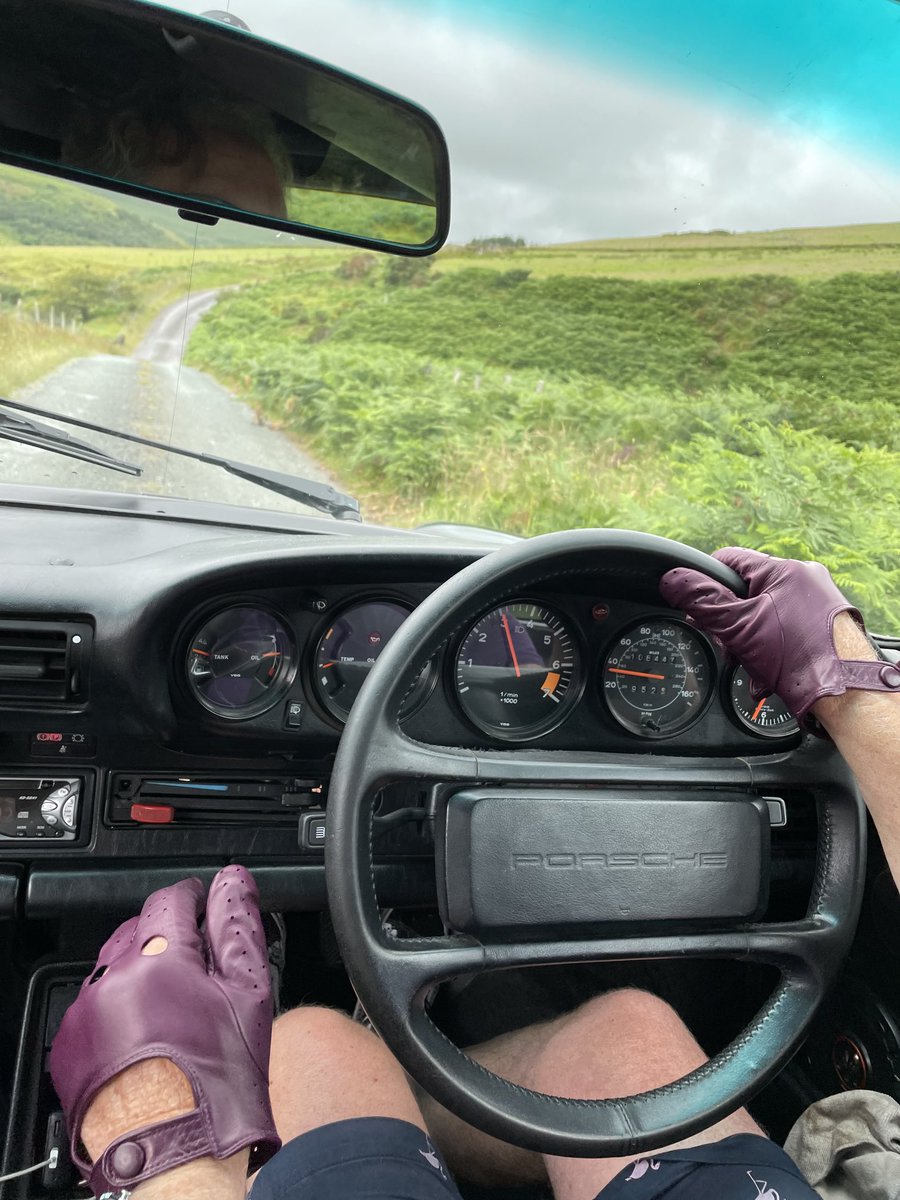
(203, 670)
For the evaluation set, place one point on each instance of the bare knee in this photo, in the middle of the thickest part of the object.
(629, 1012)
(617, 1044)
(316, 1029)
(326, 1067)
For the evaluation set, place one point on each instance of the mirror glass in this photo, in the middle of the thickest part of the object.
(199, 112)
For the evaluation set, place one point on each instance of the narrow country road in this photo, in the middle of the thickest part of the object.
(152, 395)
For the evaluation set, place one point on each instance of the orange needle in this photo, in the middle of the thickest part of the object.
(640, 674)
(271, 654)
(758, 708)
(512, 648)
(205, 653)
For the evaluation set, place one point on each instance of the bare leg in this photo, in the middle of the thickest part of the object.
(618, 1044)
(325, 1067)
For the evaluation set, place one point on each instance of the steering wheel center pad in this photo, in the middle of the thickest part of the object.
(393, 978)
(543, 861)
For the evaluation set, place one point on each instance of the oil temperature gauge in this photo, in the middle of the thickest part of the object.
(768, 717)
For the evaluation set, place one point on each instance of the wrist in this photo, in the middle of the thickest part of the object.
(201, 1179)
(145, 1093)
(856, 705)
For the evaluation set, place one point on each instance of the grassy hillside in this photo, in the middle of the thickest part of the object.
(730, 397)
(798, 253)
(758, 409)
(36, 210)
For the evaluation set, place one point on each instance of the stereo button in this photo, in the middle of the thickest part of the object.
(68, 812)
(50, 819)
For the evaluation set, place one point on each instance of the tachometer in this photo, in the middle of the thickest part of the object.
(240, 662)
(517, 671)
(347, 651)
(656, 678)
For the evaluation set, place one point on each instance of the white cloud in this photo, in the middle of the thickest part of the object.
(558, 149)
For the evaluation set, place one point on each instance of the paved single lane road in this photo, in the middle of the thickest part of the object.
(150, 395)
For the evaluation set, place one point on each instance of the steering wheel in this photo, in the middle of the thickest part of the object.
(480, 842)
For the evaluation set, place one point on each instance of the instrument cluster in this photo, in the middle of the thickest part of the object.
(516, 674)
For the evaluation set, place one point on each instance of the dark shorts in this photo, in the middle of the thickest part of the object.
(376, 1158)
(743, 1167)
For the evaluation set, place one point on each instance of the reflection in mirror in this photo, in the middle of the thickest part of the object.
(208, 116)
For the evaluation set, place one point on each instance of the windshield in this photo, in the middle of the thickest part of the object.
(669, 302)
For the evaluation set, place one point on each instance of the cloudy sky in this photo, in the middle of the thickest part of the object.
(576, 119)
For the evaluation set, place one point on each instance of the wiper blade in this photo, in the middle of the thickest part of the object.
(45, 437)
(320, 496)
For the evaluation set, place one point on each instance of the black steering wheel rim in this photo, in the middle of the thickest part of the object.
(393, 980)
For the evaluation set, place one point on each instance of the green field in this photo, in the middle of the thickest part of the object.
(720, 388)
(756, 407)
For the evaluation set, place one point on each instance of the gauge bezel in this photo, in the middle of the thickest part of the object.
(575, 690)
(317, 697)
(711, 666)
(284, 678)
(769, 735)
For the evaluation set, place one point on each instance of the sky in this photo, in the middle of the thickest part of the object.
(577, 119)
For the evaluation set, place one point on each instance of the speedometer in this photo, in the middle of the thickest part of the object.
(517, 671)
(656, 678)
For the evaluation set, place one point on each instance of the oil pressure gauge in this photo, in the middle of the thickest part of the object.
(768, 717)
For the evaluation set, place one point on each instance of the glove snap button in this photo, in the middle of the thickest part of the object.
(890, 676)
(128, 1160)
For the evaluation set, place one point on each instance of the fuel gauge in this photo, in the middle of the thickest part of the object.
(768, 717)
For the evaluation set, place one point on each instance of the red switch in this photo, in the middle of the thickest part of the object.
(153, 814)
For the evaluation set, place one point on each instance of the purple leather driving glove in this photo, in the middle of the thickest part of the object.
(204, 1003)
(782, 632)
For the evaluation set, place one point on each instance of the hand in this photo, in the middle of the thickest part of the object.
(164, 990)
(783, 633)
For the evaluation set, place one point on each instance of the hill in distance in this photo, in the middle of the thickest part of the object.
(39, 210)
(810, 253)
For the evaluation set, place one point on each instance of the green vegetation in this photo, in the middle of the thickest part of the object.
(754, 409)
(29, 350)
(719, 388)
(365, 216)
(37, 211)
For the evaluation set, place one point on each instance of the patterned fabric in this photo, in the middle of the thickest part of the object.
(744, 1167)
(369, 1158)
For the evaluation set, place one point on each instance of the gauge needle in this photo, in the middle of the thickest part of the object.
(512, 648)
(640, 674)
(759, 708)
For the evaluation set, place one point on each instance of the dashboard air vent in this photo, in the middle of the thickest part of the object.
(43, 663)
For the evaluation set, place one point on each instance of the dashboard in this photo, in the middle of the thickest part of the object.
(584, 669)
(190, 677)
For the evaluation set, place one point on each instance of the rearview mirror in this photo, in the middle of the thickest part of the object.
(202, 115)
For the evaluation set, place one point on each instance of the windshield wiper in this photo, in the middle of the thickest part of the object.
(320, 496)
(33, 433)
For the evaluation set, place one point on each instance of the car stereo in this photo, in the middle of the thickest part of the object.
(39, 809)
